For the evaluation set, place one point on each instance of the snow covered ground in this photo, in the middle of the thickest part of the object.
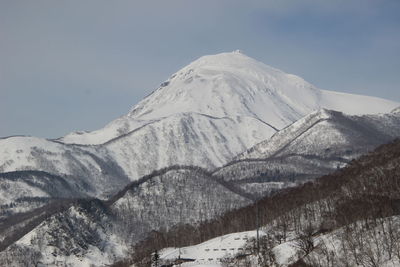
(330, 249)
(211, 251)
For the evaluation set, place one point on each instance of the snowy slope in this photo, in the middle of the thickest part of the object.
(81, 235)
(88, 170)
(84, 232)
(311, 147)
(185, 139)
(329, 133)
(22, 191)
(112, 130)
(176, 195)
(19, 153)
(211, 251)
(371, 248)
(231, 84)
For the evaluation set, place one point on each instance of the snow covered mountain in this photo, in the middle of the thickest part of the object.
(213, 109)
(329, 133)
(313, 146)
(88, 171)
(236, 86)
(204, 115)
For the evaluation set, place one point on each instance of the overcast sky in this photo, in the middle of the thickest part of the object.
(76, 65)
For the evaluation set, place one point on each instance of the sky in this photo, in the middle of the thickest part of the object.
(78, 64)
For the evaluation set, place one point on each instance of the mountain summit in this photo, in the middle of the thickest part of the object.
(236, 86)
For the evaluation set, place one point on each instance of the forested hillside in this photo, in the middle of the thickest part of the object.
(359, 203)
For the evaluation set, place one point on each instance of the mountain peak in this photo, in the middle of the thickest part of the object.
(229, 61)
(233, 85)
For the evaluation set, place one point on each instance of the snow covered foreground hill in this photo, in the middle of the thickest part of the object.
(224, 250)
(347, 218)
(204, 115)
(91, 232)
